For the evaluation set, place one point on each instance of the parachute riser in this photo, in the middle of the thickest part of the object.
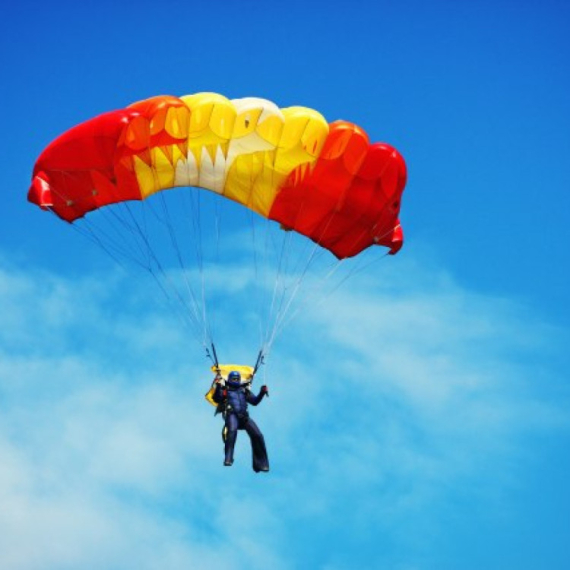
(260, 360)
(213, 356)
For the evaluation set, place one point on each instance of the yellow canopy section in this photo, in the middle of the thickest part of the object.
(224, 369)
(243, 148)
(210, 396)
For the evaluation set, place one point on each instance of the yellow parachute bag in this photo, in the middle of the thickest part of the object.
(223, 370)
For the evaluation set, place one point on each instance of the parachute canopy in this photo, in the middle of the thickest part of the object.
(325, 181)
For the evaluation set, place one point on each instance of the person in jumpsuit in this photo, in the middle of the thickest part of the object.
(233, 399)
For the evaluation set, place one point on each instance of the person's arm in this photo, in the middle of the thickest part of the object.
(254, 400)
(219, 393)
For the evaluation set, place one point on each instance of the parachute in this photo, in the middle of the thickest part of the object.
(324, 181)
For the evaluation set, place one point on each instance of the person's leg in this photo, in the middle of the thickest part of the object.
(258, 449)
(231, 436)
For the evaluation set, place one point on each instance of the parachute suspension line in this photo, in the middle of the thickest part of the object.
(261, 229)
(165, 281)
(189, 314)
(270, 278)
(106, 242)
(134, 251)
(277, 326)
(268, 285)
(311, 250)
(217, 227)
(261, 283)
(202, 266)
(192, 213)
(87, 231)
(279, 289)
(326, 296)
(197, 219)
(280, 321)
(283, 304)
(256, 275)
(353, 271)
(158, 271)
(140, 241)
(137, 250)
(167, 220)
(92, 235)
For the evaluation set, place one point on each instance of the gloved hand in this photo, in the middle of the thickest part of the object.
(265, 390)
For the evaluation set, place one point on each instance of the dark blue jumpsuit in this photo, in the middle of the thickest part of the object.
(237, 417)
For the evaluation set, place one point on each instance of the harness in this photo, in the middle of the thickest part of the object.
(226, 407)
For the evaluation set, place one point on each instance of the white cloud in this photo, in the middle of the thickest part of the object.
(383, 402)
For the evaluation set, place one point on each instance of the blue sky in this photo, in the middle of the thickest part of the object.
(418, 417)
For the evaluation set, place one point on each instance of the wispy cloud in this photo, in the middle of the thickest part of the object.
(398, 394)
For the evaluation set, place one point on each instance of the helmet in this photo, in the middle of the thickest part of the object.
(234, 380)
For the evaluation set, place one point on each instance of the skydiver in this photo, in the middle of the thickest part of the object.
(232, 398)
